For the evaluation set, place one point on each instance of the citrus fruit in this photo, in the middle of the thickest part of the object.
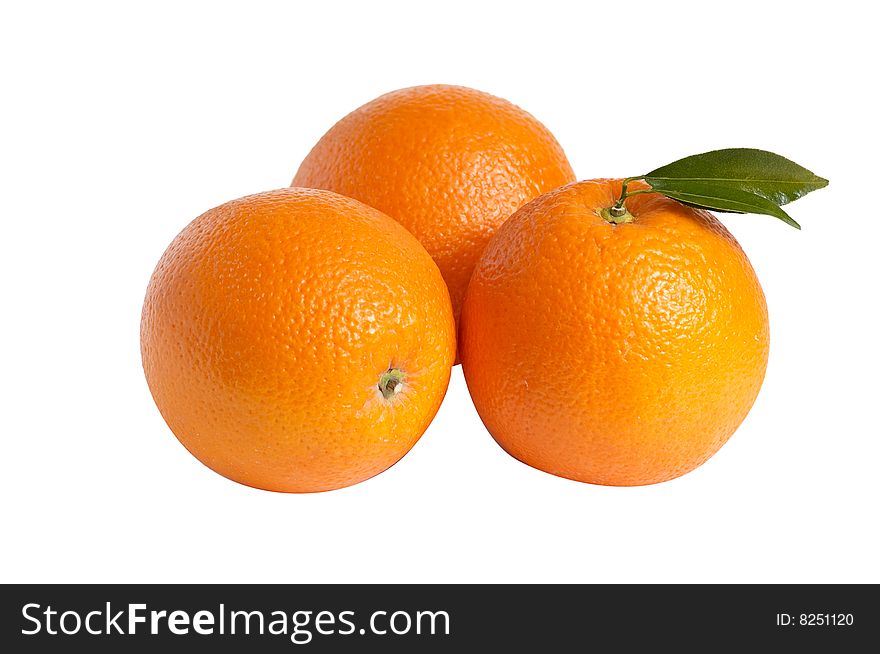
(447, 162)
(297, 340)
(616, 354)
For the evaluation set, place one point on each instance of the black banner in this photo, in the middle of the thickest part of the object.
(435, 618)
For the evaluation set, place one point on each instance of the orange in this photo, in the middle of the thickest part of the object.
(449, 163)
(613, 354)
(297, 340)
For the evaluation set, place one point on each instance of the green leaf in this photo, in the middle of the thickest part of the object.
(707, 195)
(757, 172)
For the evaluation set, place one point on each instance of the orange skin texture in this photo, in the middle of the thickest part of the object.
(267, 325)
(449, 163)
(619, 355)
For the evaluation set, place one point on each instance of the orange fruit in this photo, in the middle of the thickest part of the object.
(613, 354)
(297, 340)
(449, 163)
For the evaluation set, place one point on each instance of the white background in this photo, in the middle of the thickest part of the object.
(120, 125)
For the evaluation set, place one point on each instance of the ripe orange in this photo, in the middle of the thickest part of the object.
(449, 163)
(297, 340)
(613, 354)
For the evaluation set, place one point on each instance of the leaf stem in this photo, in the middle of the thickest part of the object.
(618, 208)
(617, 213)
